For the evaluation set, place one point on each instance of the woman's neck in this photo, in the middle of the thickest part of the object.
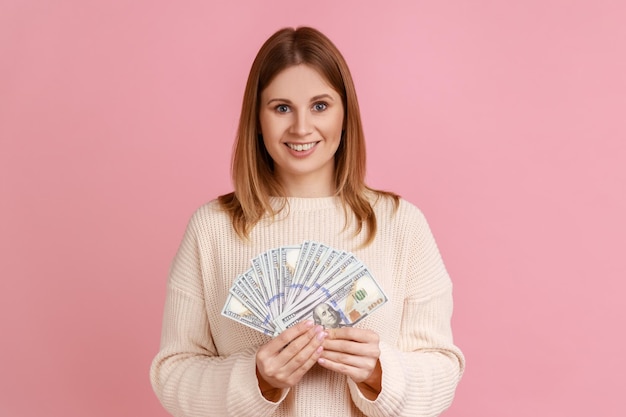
(308, 186)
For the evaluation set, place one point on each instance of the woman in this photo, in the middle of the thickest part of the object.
(298, 172)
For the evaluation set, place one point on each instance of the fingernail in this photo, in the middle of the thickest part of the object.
(309, 323)
(321, 335)
(320, 349)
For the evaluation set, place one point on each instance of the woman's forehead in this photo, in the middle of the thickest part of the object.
(298, 82)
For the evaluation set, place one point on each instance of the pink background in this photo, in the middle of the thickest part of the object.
(504, 121)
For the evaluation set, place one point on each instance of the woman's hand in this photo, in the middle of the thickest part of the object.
(354, 352)
(283, 361)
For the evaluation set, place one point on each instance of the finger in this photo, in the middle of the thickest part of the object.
(353, 348)
(307, 354)
(286, 337)
(353, 333)
(355, 373)
(357, 361)
(297, 344)
(288, 366)
(301, 360)
(272, 350)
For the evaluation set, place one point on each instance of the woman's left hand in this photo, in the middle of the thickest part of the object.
(354, 352)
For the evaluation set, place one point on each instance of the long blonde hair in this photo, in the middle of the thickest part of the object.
(252, 167)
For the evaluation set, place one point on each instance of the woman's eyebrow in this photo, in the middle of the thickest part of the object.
(282, 100)
(321, 96)
(315, 98)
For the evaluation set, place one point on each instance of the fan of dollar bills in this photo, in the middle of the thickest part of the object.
(311, 281)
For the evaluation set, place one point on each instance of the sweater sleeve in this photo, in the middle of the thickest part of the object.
(420, 374)
(188, 376)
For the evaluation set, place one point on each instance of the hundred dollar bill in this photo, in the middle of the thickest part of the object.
(292, 283)
(344, 306)
(275, 270)
(245, 298)
(306, 278)
(305, 263)
(319, 294)
(249, 283)
(269, 282)
(236, 310)
(333, 267)
(288, 263)
(323, 258)
(261, 279)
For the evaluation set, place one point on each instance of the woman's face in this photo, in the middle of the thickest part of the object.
(301, 120)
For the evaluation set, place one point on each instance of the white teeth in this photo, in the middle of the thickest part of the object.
(301, 147)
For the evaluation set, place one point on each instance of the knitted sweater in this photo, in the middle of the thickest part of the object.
(206, 363)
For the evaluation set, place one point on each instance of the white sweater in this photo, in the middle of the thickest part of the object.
(206, 363)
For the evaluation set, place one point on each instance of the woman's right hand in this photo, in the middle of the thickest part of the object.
(283, 361)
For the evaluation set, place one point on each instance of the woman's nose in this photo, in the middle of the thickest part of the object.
(302, 125)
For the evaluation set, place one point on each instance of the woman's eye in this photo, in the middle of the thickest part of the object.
(320, 106)
(282, 108)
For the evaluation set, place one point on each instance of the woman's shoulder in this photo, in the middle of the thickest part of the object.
(410, 209)
(399, 217)
(210, 213)
(211, 206)
(388, 204)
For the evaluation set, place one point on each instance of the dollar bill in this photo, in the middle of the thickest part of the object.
(244, 296)
(304, 264)
(236, 310)
(312, 264)
(348, 304)
(292, 283)
(333, 269)
(274, 265)
(289, 256)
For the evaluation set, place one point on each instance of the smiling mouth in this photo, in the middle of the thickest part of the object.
(301, 147)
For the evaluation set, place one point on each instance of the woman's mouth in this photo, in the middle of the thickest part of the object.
(301, 147)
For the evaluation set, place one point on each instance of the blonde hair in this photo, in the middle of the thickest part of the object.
(252, 167)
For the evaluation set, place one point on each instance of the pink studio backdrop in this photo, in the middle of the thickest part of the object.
(504, 121)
